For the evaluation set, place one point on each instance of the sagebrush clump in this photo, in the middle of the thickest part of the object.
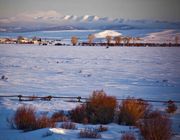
(155, 126)
(100, 108)
(131, 110)
(25, 119)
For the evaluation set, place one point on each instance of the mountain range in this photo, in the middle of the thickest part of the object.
(51, 20)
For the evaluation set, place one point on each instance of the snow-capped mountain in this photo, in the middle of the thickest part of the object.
(52, 20)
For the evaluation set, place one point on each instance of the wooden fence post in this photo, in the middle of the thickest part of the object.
(79, 98)
(20, 97)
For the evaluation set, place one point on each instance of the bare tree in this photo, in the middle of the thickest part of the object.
(176, 39)
(108, 38)
(126, 40)
(90, 38)
(74, 40)
(117, 40)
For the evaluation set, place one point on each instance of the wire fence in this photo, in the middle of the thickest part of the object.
(73, 98)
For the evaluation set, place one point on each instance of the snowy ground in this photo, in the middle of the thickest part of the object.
(148, 73)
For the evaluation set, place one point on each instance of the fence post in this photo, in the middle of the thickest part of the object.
(20, 97)
(79, 98)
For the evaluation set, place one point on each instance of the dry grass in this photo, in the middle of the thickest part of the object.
(68, 125)
(89, 133)
(25, 118)
(59, 117)
(128, 136)
(43, 122)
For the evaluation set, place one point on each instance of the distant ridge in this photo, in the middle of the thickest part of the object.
(52, 20)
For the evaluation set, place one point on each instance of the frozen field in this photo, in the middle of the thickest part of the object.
(148, 73)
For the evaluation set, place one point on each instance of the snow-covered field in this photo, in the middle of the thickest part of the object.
(148, 73)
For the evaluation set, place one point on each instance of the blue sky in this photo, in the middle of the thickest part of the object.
(129, 9)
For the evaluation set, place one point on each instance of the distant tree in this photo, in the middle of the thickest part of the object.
(129, 39)
(176, 39)
(134, 39)
(19, 39)
(90, 38)
(126, 40)
(108, 38)
(74, 40)
(117, 40)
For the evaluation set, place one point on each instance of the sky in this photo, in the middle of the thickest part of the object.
(166, 10)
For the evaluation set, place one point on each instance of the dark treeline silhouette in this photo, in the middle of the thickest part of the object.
(131, 44)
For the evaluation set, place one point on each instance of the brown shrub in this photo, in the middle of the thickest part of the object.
(43, 122)
(128, 136)
(100, 108)
(79, 114)
(89, 133)
(25, 119)
(131, 110)
(85, 121)
(68, 125)
(155, 126)
(59, 117)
